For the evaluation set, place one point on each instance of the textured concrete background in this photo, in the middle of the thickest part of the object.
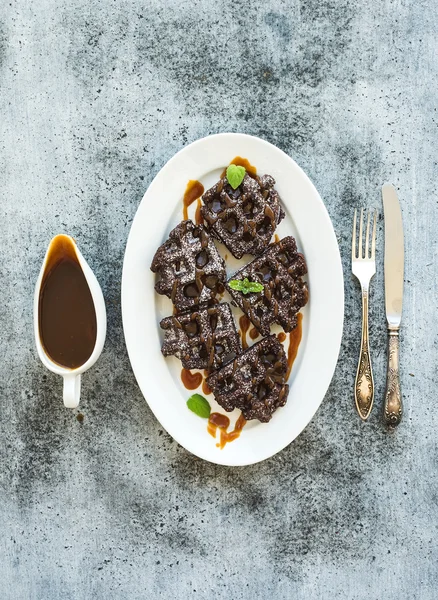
(95, 97)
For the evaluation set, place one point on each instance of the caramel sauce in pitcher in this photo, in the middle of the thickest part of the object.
(66, 314)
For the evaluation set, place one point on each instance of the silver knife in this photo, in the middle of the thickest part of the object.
(394, 265)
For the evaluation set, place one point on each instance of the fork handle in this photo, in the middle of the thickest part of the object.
(364, 384)
(393, 409)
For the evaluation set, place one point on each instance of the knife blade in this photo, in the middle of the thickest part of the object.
(394, 256)
(394, 273)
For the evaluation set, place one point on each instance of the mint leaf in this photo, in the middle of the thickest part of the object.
(235, 284)
(254, 286)
(199, 405)
(235, 175)
(245, 286)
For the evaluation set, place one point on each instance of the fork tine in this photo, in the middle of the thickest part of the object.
(353, 244)
(367, 236)
(360, 234)
(373, 243)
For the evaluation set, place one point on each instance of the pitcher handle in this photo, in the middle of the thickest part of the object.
(72, 390)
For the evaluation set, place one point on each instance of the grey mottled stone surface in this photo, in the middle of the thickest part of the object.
(95, 96)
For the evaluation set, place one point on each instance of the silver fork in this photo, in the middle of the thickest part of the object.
(363, 265)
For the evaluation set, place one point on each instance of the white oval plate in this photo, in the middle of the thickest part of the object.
(142, 308)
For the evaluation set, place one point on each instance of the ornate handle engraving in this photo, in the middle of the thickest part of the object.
(393, 410)
(364, 385)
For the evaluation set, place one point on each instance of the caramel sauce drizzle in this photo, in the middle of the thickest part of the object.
(294, 342)
(227, 437)
(190, 380)
(194, 190)
(217, 421)
(205, 389)
(281, 337)
(198, 216)
(244, 324)
(276, 238)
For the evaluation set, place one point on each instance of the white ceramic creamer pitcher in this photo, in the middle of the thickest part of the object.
(69, 334)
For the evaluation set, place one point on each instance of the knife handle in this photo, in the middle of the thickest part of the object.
(364, 384)
(393, 410)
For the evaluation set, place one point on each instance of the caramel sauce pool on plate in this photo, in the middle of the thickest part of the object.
(217, 421)
(190, 380)
(194, 190)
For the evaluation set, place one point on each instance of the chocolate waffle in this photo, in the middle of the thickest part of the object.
(191, 270)
(254, 381)
(280, 270)
(202, 339)
(243, 219)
